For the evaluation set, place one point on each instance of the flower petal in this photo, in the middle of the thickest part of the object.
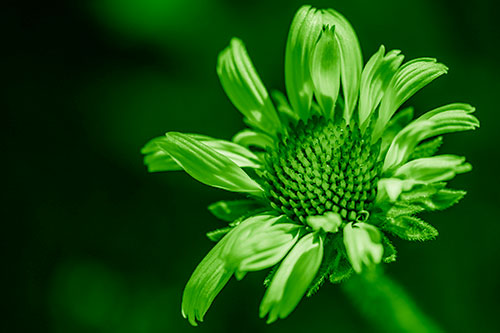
(292, 278)
(433, 169)
(207, 280)
(260, 242)
(351, 58)
(245, 89)
(376, 76)
(325, 71)
(158, 160)
(328, 222)
(247, 138)
(304, 31)
(449, 118)
(363, 243)
(230, 210)
(207, 165)
(409, 79)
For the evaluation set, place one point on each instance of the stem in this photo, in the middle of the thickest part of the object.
(386, 305)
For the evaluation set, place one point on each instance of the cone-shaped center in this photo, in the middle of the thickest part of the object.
(322, 166)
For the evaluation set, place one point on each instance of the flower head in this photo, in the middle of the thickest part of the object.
(337, 169)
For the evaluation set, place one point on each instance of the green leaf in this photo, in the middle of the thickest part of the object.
(449, 118)
(351, 63)
(217, 234)
(244, 88)
(325, 71)
(409, 79)
(342, 269)
(293, 277)
(304, 32)
(442, 199)
(375, 78)
(427, 149)
(230, 210)
(421, 191)
(410, 228)
(390, 253)
(207, 165)
(403, 208)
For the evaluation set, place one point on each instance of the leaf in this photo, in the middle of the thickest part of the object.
(244, 88)
(410, 228)
(217, 234)
(427, 149)
(442, 199)
(207, 165)
(390, 252)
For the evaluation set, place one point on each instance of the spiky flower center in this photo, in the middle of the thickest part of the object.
(322, 166)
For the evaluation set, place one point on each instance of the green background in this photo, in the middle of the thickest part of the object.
(92, 243)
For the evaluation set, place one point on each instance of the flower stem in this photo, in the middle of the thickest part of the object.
(386, 305)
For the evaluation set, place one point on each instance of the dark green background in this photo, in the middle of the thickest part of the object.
(92, 243)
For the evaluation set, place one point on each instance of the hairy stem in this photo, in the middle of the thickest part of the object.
(386, 305)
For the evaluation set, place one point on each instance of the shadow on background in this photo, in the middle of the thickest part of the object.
(95, 244)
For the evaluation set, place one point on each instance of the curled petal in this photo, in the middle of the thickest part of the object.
(409, 79)
(304, 31)
(376, 76)
(247, 138)
(325, 71)
(207, 165)
(351, 59)
(433, 169)
(292, 278)
(245, 89)
(450, 118)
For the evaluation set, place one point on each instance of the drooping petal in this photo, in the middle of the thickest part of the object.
(292, 278)
(409, 79)
(376, 76)
(260, 242)
(351, 58)
(245, 89)
(207, 280)
(247, 138)
(304, 31)
(159, 160)
(450, 118)
(363, 243)
(395, 125)
(207, 165)
(325, 71)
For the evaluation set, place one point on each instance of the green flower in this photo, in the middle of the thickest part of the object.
(328, 175)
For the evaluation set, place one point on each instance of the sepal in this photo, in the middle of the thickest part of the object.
(410, 228)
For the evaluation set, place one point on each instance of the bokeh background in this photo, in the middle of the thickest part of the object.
(92, 243)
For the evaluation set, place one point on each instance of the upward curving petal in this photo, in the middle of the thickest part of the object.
(292, 278)
(351, 63)
(325, 71)
(409, 79)
(207, 165)
(304, 31)
(245, 89)
(446, 119)
(376, 76)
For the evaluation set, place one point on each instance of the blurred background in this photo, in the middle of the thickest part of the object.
(92, 243)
